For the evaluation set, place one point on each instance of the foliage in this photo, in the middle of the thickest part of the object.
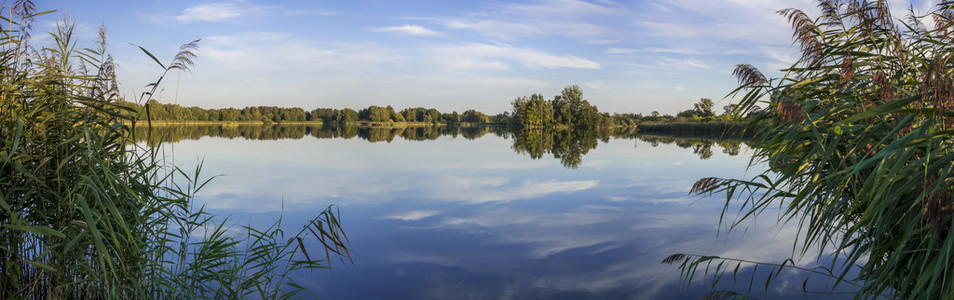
(700, 145)
(567, 145)
(87, 213)
(568, 109)
(702, 109)
(274, 114)
(857, 140)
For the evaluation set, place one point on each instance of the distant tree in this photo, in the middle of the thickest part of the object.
(347, 115)
(432, 115)
(392, 114)
(376, 114)
(704, 108)
(398, 117)
(324, 114)
(687, 114)
(728, 110)
(473, 116)
(413, 114)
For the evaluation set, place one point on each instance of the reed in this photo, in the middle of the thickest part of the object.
(858, 143)
(87, 213)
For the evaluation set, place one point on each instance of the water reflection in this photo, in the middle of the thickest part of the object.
(566, 145)
(461, 218)
(701, 146)
(295, 132)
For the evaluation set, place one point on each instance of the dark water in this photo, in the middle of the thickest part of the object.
(487, 214)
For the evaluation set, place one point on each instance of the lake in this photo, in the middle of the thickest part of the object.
(481, 213)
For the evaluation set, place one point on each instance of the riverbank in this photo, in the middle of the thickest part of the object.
(723, 129)
(312, 123)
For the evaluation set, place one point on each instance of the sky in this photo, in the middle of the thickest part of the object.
(627, 56)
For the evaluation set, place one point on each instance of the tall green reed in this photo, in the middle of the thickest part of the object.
(857, 137)
(86, 212)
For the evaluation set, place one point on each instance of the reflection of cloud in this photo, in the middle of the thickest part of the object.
(439, 260)
(662, 186)
(606, 241)
(492, 190)
(413, 215)
(676, 200)
(596, 164)
(620, 198)
(548, 233)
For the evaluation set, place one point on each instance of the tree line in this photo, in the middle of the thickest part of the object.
(156, 111)
(567, 110)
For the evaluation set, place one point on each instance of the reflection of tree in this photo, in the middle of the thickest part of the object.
(700, 146)
(730, 148)
(567, 145)
(277, 131)
(471, 133)
(377, 134)
(347, 132)
(703, 149)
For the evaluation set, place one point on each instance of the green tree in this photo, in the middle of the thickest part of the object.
(375, 114)
(432, 115)
(394, 115)
(347, 115)
(729, 109)
(704, 108)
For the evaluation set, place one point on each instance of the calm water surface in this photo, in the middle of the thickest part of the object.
(471, 218)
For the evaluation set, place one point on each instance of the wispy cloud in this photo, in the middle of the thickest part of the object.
(210, 12)
(408, 29)
(685, 51)
(310, 12)
(496, 28)
(615, 50)
(598, 85)
(581, 20)
(487, 56)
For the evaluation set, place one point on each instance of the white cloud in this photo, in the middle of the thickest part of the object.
(210, 12)
(496, 28)
(560, 7)
(487, 56)
(408, 29)
(310, 12)
(599, 85)
(615, 50)
(514, 21)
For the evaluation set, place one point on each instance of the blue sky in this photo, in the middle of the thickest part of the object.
(627, 56)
